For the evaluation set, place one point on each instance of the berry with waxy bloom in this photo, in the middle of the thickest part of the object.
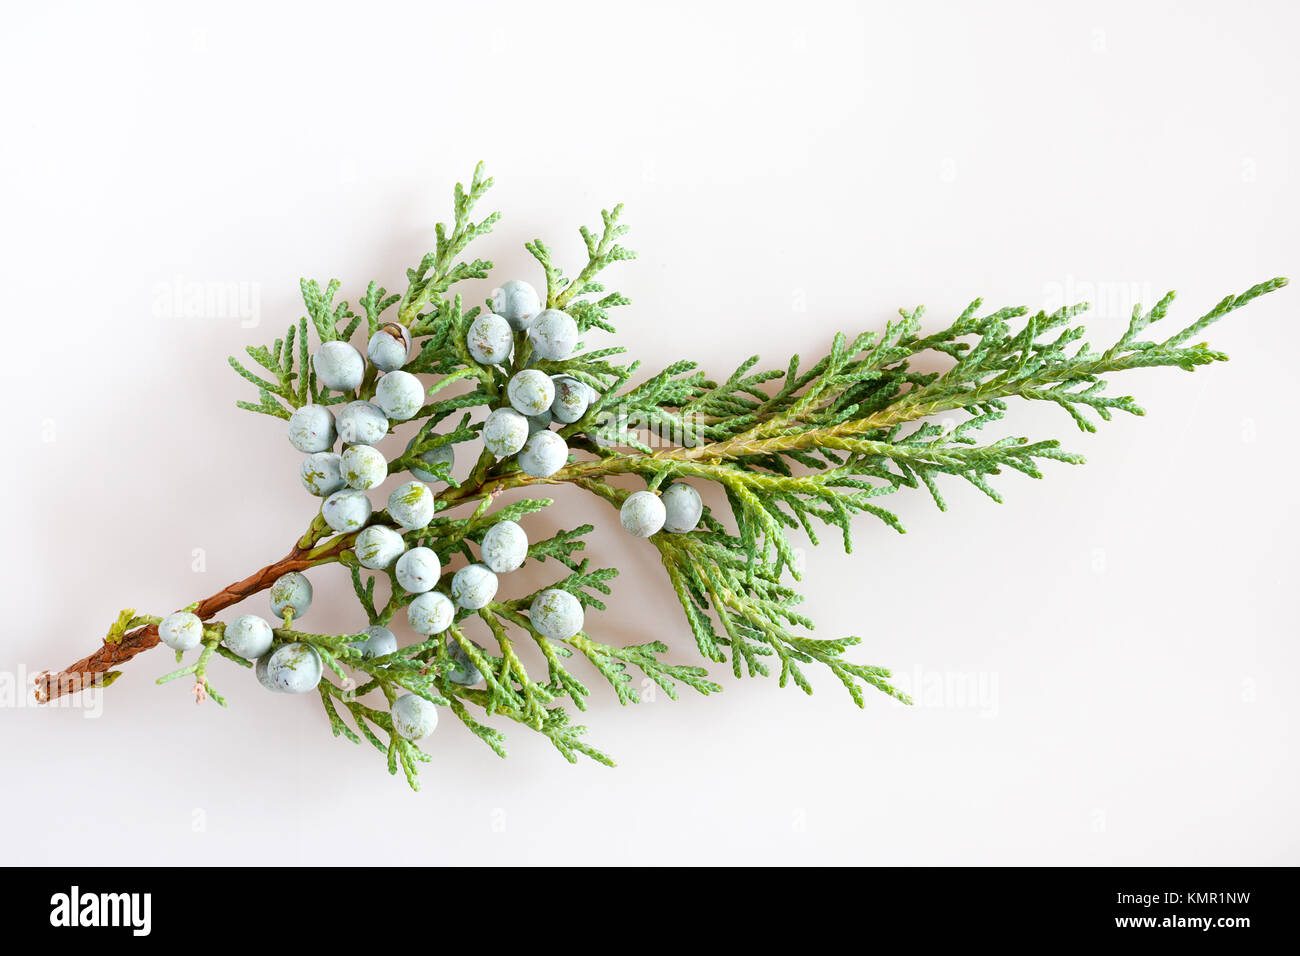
(400, 395)
(556, 614)
(294, 668)
(682, 508)
(554, 335)
(291, 590)
(363, 467)
(531, 392)
(361, 423)
(322, 473)
(505, 545)
(261, 669)
(571, 399)
(411, 505)
(418, 570)
(473, 586)
(311, 429)
(413, 717)
(463, 670)
(505, 432)
(434, 456)
(338, 366)
(490, 339)
(538, 423)
(249, 636)
(346, 510)
(378, 546)
(379, 642)
(517, 302)
(544, 454)
(389, 347)
(642, 514)
(181, 631)
(430, 613)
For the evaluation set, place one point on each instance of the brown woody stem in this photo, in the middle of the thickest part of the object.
(90, 671)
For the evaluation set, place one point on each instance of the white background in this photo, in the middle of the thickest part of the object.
(1104, 665)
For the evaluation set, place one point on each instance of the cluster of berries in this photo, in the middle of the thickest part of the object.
(535, 399)
(342, 479)
(296, 667)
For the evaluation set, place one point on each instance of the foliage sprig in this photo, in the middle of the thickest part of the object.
(790, 450)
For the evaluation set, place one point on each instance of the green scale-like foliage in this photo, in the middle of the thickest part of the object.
(793, 449)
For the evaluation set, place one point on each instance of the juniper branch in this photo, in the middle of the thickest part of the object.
(797, 448)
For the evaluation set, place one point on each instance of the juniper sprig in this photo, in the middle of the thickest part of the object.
(509, 389)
